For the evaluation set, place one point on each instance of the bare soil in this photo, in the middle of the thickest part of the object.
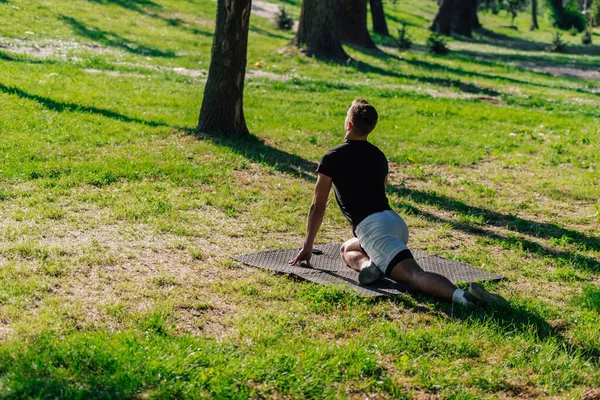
(564, 72)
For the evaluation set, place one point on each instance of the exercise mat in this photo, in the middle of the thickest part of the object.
(329, 269)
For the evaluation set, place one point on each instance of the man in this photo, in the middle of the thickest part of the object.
(358, 172)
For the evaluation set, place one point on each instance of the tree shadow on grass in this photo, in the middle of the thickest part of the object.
(60, 106)
(429, 66)
(508, 319)
(264, 32)
(519, 60)
(259, 151)
(142, 6)
(502, 40)
(110, 39)
(516, 224)
(487, 36)
(445, 82)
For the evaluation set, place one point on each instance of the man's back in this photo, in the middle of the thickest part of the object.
(358, 170)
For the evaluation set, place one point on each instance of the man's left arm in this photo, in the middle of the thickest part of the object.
(315, 218)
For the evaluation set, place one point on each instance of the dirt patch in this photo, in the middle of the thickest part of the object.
(49, 48)
(203, 74)
(450, 94)
(193, 73)
(5, 332)
(112, 73)
(564, 72)
(265, 74)
(267, 10)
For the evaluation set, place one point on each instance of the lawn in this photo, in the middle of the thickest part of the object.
(117, 222)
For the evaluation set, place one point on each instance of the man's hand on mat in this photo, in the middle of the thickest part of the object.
(303, 256)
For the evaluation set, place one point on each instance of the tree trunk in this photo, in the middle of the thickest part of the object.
(557, 4)
(476, 24)
(379, 23)
(354, 23)
(319, 29)
(557, 11)
(442, 23)
(222, 106)
(534, 22)
(463, 20)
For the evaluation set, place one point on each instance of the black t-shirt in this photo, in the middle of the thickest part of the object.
(358, 170)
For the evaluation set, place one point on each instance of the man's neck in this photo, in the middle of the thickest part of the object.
(353, 136)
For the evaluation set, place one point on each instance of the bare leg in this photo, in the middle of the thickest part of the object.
(409, 272)
(352, 254)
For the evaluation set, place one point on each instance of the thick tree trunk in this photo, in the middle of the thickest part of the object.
(222, 106)
(442, 23)
(319, 29)
(354, 23)
(378, 15)
(463, 20)
(534, 22)
(557, 10)
(475, 19)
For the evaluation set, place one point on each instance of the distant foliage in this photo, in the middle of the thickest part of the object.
(283, 20)
(437, 44)
(404, 41)
(558, 44)
(568, 17)
(586, 38)
(595, 13)
(513, 7)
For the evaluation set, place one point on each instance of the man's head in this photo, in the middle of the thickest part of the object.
(362, 116)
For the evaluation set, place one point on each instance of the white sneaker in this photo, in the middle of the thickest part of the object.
(369, 274)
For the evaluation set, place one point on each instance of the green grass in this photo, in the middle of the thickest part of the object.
(116, 223)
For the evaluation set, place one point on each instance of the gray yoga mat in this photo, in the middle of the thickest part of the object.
(329, 269)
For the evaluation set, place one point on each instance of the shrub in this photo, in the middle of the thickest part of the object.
(404, 40)
(586, 39)
(283, 20)
(568, 17)
(573, 31)
(558, 44)
(437, 44)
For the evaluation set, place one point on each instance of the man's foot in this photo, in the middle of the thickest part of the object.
(369, 274)
(479, 292)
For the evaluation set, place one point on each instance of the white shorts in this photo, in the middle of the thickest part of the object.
(384, 236)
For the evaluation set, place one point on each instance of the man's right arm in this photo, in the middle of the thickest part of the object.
(315, 218)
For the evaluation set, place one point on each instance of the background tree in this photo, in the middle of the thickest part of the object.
(465, 17)
(354, 23)
(456, 16)
(595, 13)
(319, 30)
(442, 22)
(566, 15)
(513, 7)
(222, 105)
(534, 22)
(378, 15)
